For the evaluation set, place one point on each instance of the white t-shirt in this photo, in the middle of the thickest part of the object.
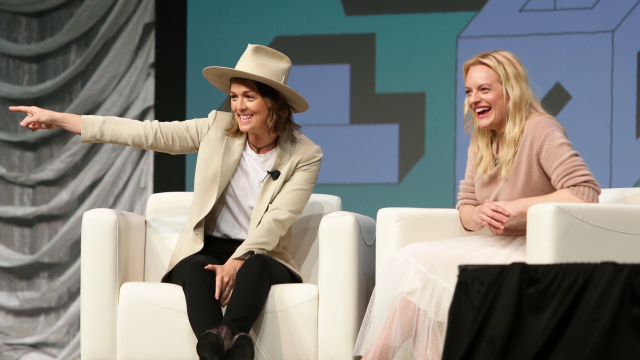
(231, 215)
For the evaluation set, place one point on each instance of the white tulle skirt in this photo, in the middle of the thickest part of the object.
(407, 314)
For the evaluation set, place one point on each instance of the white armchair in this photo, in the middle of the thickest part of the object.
(556, 232)
(128, 314)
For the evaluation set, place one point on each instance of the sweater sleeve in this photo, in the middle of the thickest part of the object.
(565, 168)
(467, 194)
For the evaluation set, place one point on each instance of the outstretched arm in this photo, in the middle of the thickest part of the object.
(175, 137)
(41, 119)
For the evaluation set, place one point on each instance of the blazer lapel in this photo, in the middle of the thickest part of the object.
(269, 186)
(226, 158)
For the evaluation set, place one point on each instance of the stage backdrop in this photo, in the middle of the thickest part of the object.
(83, 57)
(386, 93)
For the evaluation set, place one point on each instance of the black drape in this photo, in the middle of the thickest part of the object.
(560, 311)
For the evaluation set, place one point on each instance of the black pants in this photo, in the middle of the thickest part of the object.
(253, 281)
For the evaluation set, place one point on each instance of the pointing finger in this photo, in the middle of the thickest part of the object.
(24, 109)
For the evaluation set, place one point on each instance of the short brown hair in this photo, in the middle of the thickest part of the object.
(280, 117)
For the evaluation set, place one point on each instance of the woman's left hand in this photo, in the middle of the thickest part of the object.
(225, 278)
(515, 209)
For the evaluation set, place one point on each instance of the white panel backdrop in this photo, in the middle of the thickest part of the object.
(83, 57)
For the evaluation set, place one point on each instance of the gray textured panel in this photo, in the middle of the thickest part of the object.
(95, 58)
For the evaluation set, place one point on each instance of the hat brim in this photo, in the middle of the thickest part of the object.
(220, 77)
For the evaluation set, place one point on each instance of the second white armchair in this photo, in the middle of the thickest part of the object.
(556, 232)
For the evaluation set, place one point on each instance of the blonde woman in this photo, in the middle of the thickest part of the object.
(519, 156)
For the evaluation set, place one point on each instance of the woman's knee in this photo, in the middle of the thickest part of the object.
(194, 269)
(257, 264)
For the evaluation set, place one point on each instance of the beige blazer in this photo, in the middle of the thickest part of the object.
(279, 203)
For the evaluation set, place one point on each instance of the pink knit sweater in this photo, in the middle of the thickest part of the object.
(545, 162)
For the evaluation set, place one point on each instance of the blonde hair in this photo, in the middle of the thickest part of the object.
(522, 104)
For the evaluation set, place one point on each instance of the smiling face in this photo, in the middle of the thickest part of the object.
(485, 97)
(249, 108)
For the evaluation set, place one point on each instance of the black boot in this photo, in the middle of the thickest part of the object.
(241, 348)
(213, 344)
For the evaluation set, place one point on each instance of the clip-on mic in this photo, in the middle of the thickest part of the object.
(275, 174)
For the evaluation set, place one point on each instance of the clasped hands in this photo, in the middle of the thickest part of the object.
(496, 215)
(225, 278)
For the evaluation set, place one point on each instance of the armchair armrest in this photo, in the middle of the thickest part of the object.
(345, 280)
(570, 232)
(399, 227)
(112, 252)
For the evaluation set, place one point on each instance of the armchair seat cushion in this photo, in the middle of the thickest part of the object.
(168, 297)
(162, 305)
(290, 315)
(285, 297)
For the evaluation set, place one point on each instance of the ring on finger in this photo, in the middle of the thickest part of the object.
(227, 290)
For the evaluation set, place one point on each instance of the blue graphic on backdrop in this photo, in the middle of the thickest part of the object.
(537, 5)
(327, 88)
(345, 146)
(358, 129)
(585, 51)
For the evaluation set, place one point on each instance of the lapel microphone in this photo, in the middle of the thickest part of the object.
(275, 174)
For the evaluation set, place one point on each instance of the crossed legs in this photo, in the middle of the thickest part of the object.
(253, 282)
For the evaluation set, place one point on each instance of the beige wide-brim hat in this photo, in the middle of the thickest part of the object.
(262, 64)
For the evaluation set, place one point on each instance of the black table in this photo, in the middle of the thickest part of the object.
(560, 311)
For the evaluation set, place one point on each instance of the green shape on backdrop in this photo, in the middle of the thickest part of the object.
(414, 53)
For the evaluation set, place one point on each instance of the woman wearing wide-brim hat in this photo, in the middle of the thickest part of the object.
(254, 176)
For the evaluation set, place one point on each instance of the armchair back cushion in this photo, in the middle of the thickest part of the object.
(304, 246)
(630, 196)
(167, 213)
